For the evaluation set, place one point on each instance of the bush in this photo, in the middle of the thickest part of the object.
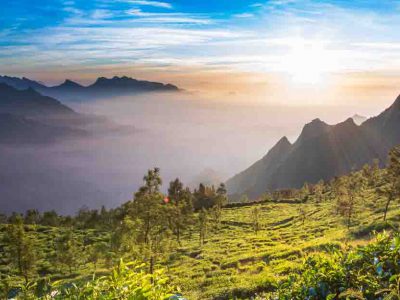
(369, 272)
(126, 281)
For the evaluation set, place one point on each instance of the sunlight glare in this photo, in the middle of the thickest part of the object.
(308, 62)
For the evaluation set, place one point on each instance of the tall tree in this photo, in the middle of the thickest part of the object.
(21, 248)
(32, 216)
(68, 250)
(149, 209)
(203, 224)
(392, 188)
(179, 208)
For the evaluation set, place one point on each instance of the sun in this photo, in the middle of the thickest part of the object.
(308, 62)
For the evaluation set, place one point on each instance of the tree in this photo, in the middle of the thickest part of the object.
(124, 237)
(204, 197)
(319, 191)
(150, 212)
(96, 252)
(222, 197)
(21, 248)
(148, 204)
(304, 192)
(67, 249)
(203, 224)
(32, 216)
(179, 208)
(255, 218)
(392, 189)
(50, 218)
(347, 189)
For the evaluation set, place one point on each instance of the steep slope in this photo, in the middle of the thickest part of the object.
(29, 103)
(322, 151)
(385, 128)
(252, 180)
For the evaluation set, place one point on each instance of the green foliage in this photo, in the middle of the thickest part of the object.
(363, 273)
(236, 256)
(21, 248)
(68, 250)
(127, 281)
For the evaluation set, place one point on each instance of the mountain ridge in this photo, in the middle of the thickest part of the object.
(102, 87)
(321, 151)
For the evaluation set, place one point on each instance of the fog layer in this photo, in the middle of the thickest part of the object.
(185, 136)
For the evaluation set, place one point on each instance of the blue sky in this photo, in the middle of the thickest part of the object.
(79, 36)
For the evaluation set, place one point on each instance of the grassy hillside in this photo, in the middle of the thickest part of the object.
(234, 260)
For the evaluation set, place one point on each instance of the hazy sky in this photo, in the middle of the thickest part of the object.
(232, 47)
(254, 70)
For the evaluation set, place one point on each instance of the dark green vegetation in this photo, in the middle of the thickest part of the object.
(311, 243)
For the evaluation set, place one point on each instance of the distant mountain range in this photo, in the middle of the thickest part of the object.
(322, 151)
(101, 88)
(29, 103)
(26, 116)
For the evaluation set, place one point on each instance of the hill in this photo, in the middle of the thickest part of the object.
(236, 260)
(321, 151)
(101, 88)
(30, 103)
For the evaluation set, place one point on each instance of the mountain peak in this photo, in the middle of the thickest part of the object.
(282, 146)
(396, 103)
(347, 124)
(313, 129)
(70, 83)
(358, 119)
(283, 142)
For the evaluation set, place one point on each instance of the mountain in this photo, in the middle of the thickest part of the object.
(19, 130)
(29, 103)
(321, 151)
(358, 119)
(21, 83)
(208, 177)
(28, 117)
(101, 88)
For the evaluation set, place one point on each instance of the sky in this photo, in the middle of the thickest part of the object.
(299, 59)
(234, 48)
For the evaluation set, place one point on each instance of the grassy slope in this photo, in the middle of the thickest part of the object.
(235, 259)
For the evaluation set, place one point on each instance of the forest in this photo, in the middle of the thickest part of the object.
(330, 240)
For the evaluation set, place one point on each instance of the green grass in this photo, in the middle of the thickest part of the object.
(235, 261)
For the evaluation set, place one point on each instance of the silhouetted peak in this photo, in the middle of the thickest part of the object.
(347, 124)
(281, 147)
(358, 119)
(283, 142)
(70, 83)
(396, 104)
(313, 129)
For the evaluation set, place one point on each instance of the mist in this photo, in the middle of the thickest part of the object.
(186, 136)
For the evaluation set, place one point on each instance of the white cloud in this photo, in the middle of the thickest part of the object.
(151, 3)
(244, 15)
(99, 14)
